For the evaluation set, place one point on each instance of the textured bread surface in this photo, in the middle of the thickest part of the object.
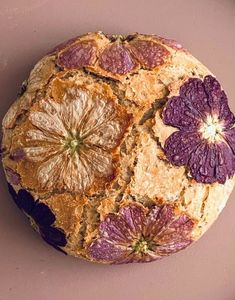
(84, 145)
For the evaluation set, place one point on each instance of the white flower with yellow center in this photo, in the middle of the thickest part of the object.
(73, 139)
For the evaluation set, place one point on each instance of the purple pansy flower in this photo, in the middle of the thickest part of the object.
(137, 234)
(42, 215)
(205, 141)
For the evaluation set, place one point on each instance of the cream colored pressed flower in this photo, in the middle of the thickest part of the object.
(73, 140)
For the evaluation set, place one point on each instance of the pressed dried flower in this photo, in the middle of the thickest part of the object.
(73, 140)
(138, 235)
(205, 142)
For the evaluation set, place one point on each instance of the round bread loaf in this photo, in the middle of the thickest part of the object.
(120, 148)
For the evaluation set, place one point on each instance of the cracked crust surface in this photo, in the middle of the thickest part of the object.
(118, 157)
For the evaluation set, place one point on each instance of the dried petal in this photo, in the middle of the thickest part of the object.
(225, 114)
(107, 135)
(180, 113)
(26, 201)
(134, 216)
(225, 162)
(117, 59)
(173, 247)
(99, 161)
(103, 249)
(218, 101)
(212, 162)
(100, 113)
(149, 53)
(48, 124)
(157, 220)
(179, 229)
(182, 223)
(53, 236)
(213, 90)
(187, 110)
(115, 229)
(202, 163)
(75, 110)
(13, 177)
(40, 153)
(180, 145)
(18, 154)
(136, 258)
(48, 171)
(77, 174)
(79, 55)
(229, 136)
(42, 215)
(39, 136)
(194, 95)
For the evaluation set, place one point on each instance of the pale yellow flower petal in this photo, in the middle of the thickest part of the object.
(102, 111)
(100, 161)
(48, 174)
(78, 175)
(107, 135)
(48, 123)
(40, 153)
(41, 136)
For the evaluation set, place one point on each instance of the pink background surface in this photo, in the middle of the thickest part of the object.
(29, 268)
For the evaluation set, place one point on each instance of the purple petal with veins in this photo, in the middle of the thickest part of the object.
(229, 136)
(116, 58)
(180, 145)
(115, 228)
(218, 101)
(179, 229)
(133, 235)
(180, 114)
(212, 163)
(103, 249)
(194, 95)
(157, 220)
(173, 247)
(134, 217)
(78, 55)
(225, 162)
(149, 53)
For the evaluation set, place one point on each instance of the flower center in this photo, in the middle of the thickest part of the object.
(74, 143)
(211, 129)
(141, 246)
